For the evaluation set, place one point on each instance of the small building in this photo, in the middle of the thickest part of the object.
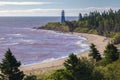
(62, 16)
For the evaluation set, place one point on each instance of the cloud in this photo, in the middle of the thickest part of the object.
(4, 3)
(31, 12)
(52, 12)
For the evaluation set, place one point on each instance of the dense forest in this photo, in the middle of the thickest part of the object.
(106, 23)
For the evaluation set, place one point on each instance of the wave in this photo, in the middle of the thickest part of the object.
(11, 44)
(84, 45)
(45, 61)
(2, 38)
(28, 41)
(81, 44)
(82, 37)
(16, 35)
(49, 60)
(54, 59)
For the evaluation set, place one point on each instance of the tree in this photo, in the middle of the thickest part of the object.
(111, 53)
(94, 53)
(79, 68)
(9, 67)
(72, 62)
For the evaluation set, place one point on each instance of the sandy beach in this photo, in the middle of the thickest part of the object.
(99, 41)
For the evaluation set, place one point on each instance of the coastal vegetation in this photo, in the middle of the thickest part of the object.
(106, 23)
(56, 26)
(96, 67)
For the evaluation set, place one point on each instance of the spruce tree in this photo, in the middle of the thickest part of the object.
(94, 53)
(111, 53)
(79, 68)
(10, 67)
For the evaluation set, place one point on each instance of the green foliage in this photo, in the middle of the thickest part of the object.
(111, 53)
(94, 53)
(30, 77)
(10, 67)
(71, 63)
(105, 24)
(112, 71)
(77, 69)
(42, 76)
(102, 62)
(80, 68)
(81, 30)
(98, 75)
(57, 26)
(115, 38)
(93, 31)
(60, 74)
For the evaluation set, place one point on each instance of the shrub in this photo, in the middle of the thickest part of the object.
(81, 30)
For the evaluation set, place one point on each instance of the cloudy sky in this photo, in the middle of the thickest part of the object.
(54, 7)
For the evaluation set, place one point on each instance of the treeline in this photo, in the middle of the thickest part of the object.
(106, 23)
(97, 67)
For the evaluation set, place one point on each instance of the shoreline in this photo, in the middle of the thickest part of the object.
(62, 57)
(99, 41)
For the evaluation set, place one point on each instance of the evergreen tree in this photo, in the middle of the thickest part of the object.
(94, 53)
(72, 62)
(111, 53)
(78, 68)
(9, 67)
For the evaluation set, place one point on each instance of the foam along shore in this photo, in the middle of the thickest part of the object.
(99, 41)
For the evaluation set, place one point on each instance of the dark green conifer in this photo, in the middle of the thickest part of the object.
(10, 67)
(111, 53)
(94, 53)
(79, 68)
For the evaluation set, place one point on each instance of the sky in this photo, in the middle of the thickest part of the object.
(54, 7)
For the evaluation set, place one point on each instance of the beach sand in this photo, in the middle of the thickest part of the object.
(99, 41)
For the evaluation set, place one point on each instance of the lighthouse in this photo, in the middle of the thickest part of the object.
(62, 16)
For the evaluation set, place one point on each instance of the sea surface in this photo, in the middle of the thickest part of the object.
(32, 46)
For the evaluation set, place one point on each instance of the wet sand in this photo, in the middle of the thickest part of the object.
(99, 41)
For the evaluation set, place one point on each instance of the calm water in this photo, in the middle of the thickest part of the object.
(32, 46)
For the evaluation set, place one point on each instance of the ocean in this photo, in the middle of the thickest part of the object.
(32, 46)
